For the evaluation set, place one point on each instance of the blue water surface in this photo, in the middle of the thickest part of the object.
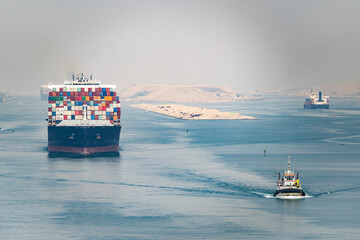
(186, 179)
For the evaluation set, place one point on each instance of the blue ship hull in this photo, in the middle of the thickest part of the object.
(316, 106)
(83, 139)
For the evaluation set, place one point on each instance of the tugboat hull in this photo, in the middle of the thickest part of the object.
(293, 192)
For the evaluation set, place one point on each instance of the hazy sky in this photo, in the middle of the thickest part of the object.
(245, 45)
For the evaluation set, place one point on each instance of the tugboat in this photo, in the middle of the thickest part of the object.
(288, 185)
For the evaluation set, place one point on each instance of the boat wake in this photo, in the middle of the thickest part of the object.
(336, 191)
(6, 130)
(293, 197)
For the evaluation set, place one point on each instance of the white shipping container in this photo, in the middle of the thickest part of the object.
(115, 113)
(96, 108)
(49, 113)
(86, 90)
(96, 112)
(65, 108)
(73, 112)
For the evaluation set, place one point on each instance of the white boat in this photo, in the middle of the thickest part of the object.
(289, 186)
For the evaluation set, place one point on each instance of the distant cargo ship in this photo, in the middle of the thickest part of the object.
(44, 92)
(316, 101)
(83, 117)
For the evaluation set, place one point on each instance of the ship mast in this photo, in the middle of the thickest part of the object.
(289, 163)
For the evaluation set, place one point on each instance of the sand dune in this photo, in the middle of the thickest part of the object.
(181, 93)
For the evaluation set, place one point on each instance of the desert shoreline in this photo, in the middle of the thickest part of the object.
(191, 113)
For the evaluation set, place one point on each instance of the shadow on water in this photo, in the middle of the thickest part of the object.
(113, 156)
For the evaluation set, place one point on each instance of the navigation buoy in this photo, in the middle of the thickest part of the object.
(265, 152)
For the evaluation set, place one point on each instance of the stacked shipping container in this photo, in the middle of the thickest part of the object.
(83, 103)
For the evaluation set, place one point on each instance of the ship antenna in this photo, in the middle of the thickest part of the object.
(289, 163)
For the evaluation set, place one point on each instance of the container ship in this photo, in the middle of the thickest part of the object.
(83, 117)
(316, 101)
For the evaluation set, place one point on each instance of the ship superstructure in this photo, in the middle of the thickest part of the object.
(289, 185)
(316, 100)
(83, 117)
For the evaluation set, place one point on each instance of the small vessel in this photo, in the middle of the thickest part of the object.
(316, 100)
(289, 185)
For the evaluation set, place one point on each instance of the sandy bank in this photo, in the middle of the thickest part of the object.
(186, 112)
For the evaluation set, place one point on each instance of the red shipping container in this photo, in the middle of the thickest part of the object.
(107, 89)
(61, 90)
(50, 117)
(76, 112)
(65, 117)
(91, 98)
(92, 112)
(114, 94)
(49, 109)
(111, 114)
(89, 90)
(72, 94)
(96, 117)
(82, 89)
(112, 121)
(65, 103)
